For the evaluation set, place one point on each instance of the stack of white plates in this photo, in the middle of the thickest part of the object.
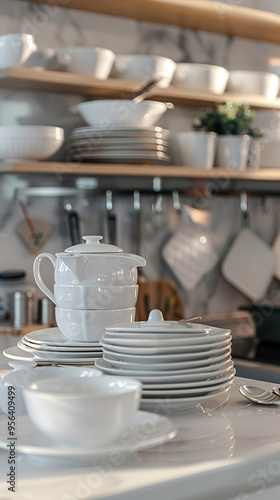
(51, 346)
(121, 145)
(180, 364)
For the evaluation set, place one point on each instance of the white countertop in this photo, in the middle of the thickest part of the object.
(238, 458)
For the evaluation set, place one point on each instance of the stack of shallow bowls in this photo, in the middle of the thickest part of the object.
(180, 364)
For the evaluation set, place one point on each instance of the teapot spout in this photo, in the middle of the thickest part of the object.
(135, 260)
(76, 264)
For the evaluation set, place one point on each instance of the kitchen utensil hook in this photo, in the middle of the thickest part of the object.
(245, 218)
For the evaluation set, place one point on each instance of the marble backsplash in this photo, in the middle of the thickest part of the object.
(58, 27)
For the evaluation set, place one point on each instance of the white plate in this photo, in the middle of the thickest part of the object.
(15, 352)
(195, 391)
(197, 339)
(54, 337)
(163, 362)
(146, 431)
(41, 354)
(182, 351)
(161, 341)
(144, 327)
(43, 347)
(153, 377)
(223, 377)
(179, 404)
(119, 131)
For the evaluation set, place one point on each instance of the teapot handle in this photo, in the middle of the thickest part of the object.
(38, 277)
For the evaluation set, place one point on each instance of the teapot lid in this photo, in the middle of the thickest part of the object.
(157, 324)
(92, 245)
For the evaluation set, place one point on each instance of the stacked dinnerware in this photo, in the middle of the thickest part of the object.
(119, 145)
(95, 285)
(180, 364)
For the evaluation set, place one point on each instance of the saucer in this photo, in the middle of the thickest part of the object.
(15, 352)
(147, 430)
(54, 337)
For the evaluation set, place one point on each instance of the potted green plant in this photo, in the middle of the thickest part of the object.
(233, 123)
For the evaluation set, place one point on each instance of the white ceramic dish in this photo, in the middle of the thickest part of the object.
(78, 411)
(164, 377)
(95, 297)
(15, 48)
(147, 392)
(42, 354)
(133, 361)
(33, 443)
(47, 348)
(167, 353)
(144, 68)
(211, 335)
(121, 132)
(201, 77)
(248, 254)
(179, 404)
(16, 353)
(90, 263)
(20, 142)
(89, 325)
(96, 62)
(19, 378)
(218, 379)
(195, 149)
(254, 82)
(171, 344)
(111, 113)
(54, 338)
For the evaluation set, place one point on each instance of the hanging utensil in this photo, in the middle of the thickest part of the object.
(34, 233)
(73, 223)
(111, 218)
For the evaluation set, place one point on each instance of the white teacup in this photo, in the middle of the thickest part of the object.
(95, 297)
(89, 325)
(15, 49)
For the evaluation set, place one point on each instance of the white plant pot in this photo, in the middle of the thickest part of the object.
(196, 149)
(233, 152)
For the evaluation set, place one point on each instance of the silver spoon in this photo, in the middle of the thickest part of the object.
(258, 395)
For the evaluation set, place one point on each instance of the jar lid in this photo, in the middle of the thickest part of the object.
(157, 324)
(92, 245)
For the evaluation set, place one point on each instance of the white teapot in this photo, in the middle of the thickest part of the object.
(90, 263)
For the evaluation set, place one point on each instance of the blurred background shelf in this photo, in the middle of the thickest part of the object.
(22, 78)
(204, 15)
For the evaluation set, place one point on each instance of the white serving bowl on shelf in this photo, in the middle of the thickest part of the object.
(254, 83)
(85, 411)
(89, 325)
(95, 296)
(15, 49)
(144, 68)
(29, 142)
(120, 113)
(93, 61)
(26, 373)
(201, 77)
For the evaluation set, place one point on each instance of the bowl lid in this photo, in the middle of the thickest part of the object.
(156, 323)
(92, 245)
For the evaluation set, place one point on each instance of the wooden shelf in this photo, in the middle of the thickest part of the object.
(109, 169)
(71, 83)
(202, 15)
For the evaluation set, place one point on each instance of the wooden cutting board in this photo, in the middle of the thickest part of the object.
(34, 239)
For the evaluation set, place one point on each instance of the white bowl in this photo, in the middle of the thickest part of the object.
(201, 77)
(96, 62)
(15, 48)
(254, 82)
(83, 411)
(95, 297)
(144, 68)
(29, 142)
(114, 113)
(196, 149)
(89, 325)
(21, 377)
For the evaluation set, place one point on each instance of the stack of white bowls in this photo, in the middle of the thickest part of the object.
(180, 364)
